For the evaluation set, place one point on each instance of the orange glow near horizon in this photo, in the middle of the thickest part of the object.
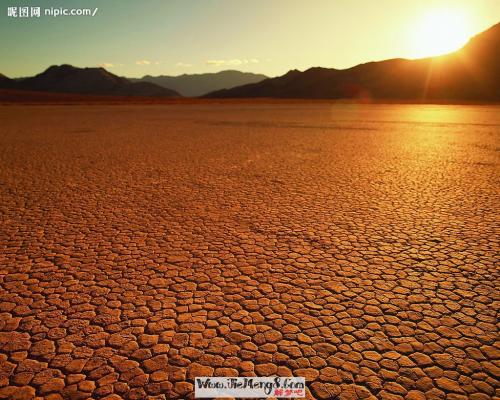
(440, 32)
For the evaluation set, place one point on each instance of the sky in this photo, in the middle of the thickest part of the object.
(171, 37)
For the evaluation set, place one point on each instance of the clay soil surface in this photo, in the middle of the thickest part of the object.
(144, 245)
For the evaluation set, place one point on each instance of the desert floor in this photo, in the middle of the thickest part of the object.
(141, 246)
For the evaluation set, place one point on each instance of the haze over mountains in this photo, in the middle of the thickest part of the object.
(471, 74)
(69, 79)
(199, 84)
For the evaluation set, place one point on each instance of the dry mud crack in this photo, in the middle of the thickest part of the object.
(142, 246)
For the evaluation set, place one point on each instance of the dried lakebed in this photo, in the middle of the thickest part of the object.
(141, 246)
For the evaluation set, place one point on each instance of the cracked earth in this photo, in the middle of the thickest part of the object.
(141, 246)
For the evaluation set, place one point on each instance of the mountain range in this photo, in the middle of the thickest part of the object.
(96, 81)
(471, 74)
(194, 85)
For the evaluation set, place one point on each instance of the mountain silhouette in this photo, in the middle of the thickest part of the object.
(69, 79)
(471, 74)
(200, 84)
(6, 82)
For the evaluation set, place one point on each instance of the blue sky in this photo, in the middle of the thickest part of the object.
(134, 38)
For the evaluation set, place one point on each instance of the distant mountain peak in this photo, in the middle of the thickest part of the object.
(470, 74)
(63, 68)
(199, 84)
(60, 67)
(67, 78)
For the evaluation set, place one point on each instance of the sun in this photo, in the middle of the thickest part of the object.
(440, 32)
